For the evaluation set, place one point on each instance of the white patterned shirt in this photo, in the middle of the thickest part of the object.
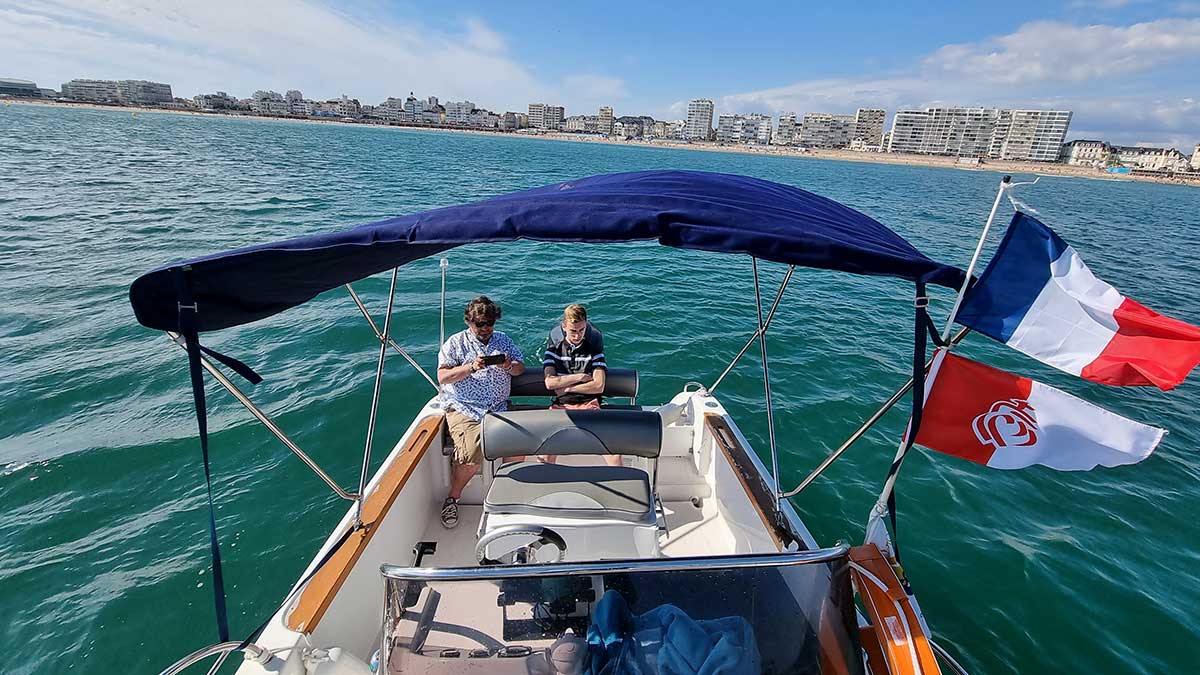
(486, 389)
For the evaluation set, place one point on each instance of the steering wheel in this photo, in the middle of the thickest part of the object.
(522, 552)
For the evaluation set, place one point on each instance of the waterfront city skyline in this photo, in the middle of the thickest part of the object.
(1121, 67)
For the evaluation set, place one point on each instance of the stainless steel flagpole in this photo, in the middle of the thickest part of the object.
(962, 291)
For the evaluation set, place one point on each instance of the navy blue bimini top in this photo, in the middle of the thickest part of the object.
(684, 209)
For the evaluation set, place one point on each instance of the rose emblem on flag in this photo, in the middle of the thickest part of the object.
(1007, 423)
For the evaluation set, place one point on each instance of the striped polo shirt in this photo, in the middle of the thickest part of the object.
(567, 358)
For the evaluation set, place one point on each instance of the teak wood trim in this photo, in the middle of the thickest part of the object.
(885, 608)
(743, 467)
(320, 591)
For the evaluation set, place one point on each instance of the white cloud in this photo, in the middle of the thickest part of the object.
(589, 92)
(1102, 4)
(1041, 65)
(481, 37)
(1051, 51)
(241, 46)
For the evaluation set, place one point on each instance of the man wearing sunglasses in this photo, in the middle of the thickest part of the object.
(472, 385)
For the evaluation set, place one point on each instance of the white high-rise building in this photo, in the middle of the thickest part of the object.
(787, 129)
(1029, 135)
(1023, 135)
(537, 115)
(458, 112)
(699, 119)
(1196, 158)
(555, 115)
(136, 92)
(908, 131)
(752, 128)
(868, 126)
(826, 130)
(605, 120)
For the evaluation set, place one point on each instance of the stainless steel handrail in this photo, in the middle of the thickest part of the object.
(262, 417)
(887, 405)
(947, 659)
(388, 339)
(766, 368)
(758, 331)
(383, 346)
(490, 573)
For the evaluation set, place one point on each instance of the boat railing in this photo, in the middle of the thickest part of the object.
(784, 609)
(494, 572)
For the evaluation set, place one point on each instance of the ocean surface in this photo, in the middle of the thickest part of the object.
(103, 530)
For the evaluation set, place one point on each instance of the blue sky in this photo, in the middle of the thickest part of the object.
(1130, 69)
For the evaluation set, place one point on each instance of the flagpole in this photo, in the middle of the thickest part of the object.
(962, 291)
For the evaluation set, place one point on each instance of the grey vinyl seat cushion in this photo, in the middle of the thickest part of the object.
(601, 492)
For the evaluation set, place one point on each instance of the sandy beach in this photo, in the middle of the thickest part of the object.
(1039, 168)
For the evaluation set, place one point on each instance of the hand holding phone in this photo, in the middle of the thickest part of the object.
(494, 359)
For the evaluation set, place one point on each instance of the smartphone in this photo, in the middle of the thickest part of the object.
(494, 359)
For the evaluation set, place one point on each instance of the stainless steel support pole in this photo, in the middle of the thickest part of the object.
(759, 331)
(762, 342)
(262, 417)
(407, 357)
(866, 426)
(383, 346)
(975, 258)
(444, 264)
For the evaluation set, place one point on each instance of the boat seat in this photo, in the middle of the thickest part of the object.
(618, 383)
(584, 492)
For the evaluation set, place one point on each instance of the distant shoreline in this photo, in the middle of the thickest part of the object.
(1039, 168)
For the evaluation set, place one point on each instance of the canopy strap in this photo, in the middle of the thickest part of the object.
(236, 366)
(921, 325)
(187, 327)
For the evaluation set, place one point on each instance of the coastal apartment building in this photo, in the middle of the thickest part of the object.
(19, 88)
(752, 128)
(1195, 163)
(537, 115)
(135, 92)
(699, 119)
(1029, 135)
(786, 134)
(586, 124)
(826, 130)
(544, 116)
(217, 101)
(555, 114)
(1151, 159)
(1022, 135)
(868, 127)
(459, 112)
(1086, 153)
(605, 120)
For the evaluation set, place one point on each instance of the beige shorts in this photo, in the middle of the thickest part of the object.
(464, 431)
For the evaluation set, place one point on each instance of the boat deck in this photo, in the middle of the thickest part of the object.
(688, 533)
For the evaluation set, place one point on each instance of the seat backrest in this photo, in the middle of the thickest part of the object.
(571, 432)
(621, 382)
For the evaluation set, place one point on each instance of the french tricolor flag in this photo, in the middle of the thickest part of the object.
(1039, 298)
(1005, 421)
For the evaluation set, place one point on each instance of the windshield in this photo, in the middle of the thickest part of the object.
(765, 618)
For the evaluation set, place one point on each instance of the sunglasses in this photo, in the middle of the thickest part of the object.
(484, 324)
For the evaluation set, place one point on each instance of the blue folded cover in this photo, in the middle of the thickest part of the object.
(667, 641)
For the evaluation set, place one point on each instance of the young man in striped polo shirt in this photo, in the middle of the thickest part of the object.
(574, 366)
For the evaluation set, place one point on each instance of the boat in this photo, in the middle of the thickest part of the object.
(686, 558)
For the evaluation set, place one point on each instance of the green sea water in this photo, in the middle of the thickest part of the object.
(104, 561)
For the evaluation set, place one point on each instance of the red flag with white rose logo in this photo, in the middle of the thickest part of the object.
(988, 416)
